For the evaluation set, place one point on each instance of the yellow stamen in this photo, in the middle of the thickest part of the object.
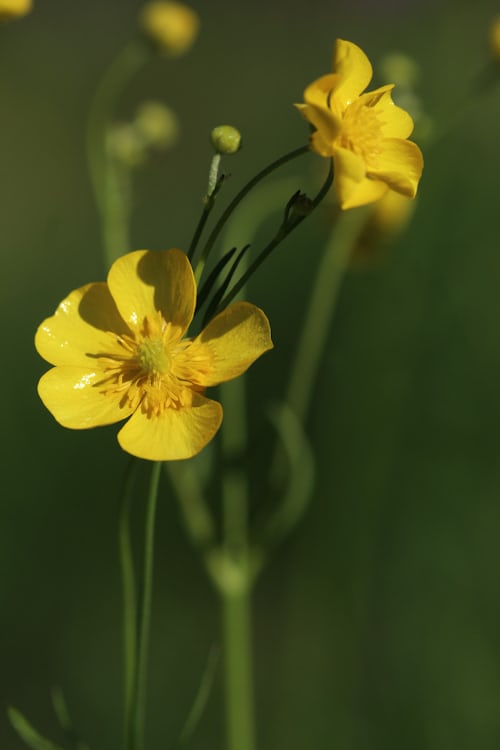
(156, 371)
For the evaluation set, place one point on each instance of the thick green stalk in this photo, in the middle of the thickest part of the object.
(235, 583)
(238, 677)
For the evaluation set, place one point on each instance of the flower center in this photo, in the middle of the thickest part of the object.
(362, 132)
(153, 357)
(157, 370)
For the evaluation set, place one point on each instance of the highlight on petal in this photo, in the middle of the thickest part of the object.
(119, 353)
(85, 323)
(235, 339)
(400, 166)
(146, 281)
(352, 186)
(73, 397)
(173, 435)
(353, 68)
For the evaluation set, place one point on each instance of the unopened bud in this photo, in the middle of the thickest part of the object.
(157, 125)
(226, 139)
(124, 145)
(299, 206)
(400, 69)
(172, 26)
(10, 9)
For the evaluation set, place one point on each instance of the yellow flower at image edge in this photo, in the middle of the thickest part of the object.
(119, 352)
(14, 8)
(172, 26)
(365, 133)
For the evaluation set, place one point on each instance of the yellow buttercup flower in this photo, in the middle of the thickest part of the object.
(119, 352)
(495, 39)
(173, 26)
(365, 133)
(14, 8)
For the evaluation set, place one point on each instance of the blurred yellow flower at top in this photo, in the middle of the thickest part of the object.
(14, 8)
(119, 352)
(495, 39)
(173, 26)
(365, 133)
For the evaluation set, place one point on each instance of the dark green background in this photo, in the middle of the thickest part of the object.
(377, 624)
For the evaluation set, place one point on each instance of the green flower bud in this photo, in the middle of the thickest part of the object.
(400, 69)
(157, 125)
(226, 139)
(124, 145)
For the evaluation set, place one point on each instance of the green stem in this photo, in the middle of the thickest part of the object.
(129, 597)
(213, 174)
(116, 213)
(283, 232)
(324, 297)
(236, 584)
(139, 703)
(128, 62)
(208, 204)
(238, 671)
(237, 200)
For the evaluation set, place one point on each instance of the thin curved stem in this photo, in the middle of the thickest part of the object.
(145, 616)
(285, 229)
(237, 200)
(128, 62)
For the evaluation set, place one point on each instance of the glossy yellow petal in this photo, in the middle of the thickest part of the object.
(352, 186)
(319, 113)
(396, 122)
(399, 165)
(145, 281)
(85, 324)
(353, 68)
(75, 399)
(235, 339)
(175, 434)
(319, 92)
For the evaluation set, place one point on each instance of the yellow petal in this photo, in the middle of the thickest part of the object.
(145, 281)
(354, 69)
(396, 122)
(318, 111)
(235, 339)
(86, 323)
(74, 398)
(352, 186)
(399, 165)
(175, 434)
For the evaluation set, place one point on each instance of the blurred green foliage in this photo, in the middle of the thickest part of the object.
(377, 625)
